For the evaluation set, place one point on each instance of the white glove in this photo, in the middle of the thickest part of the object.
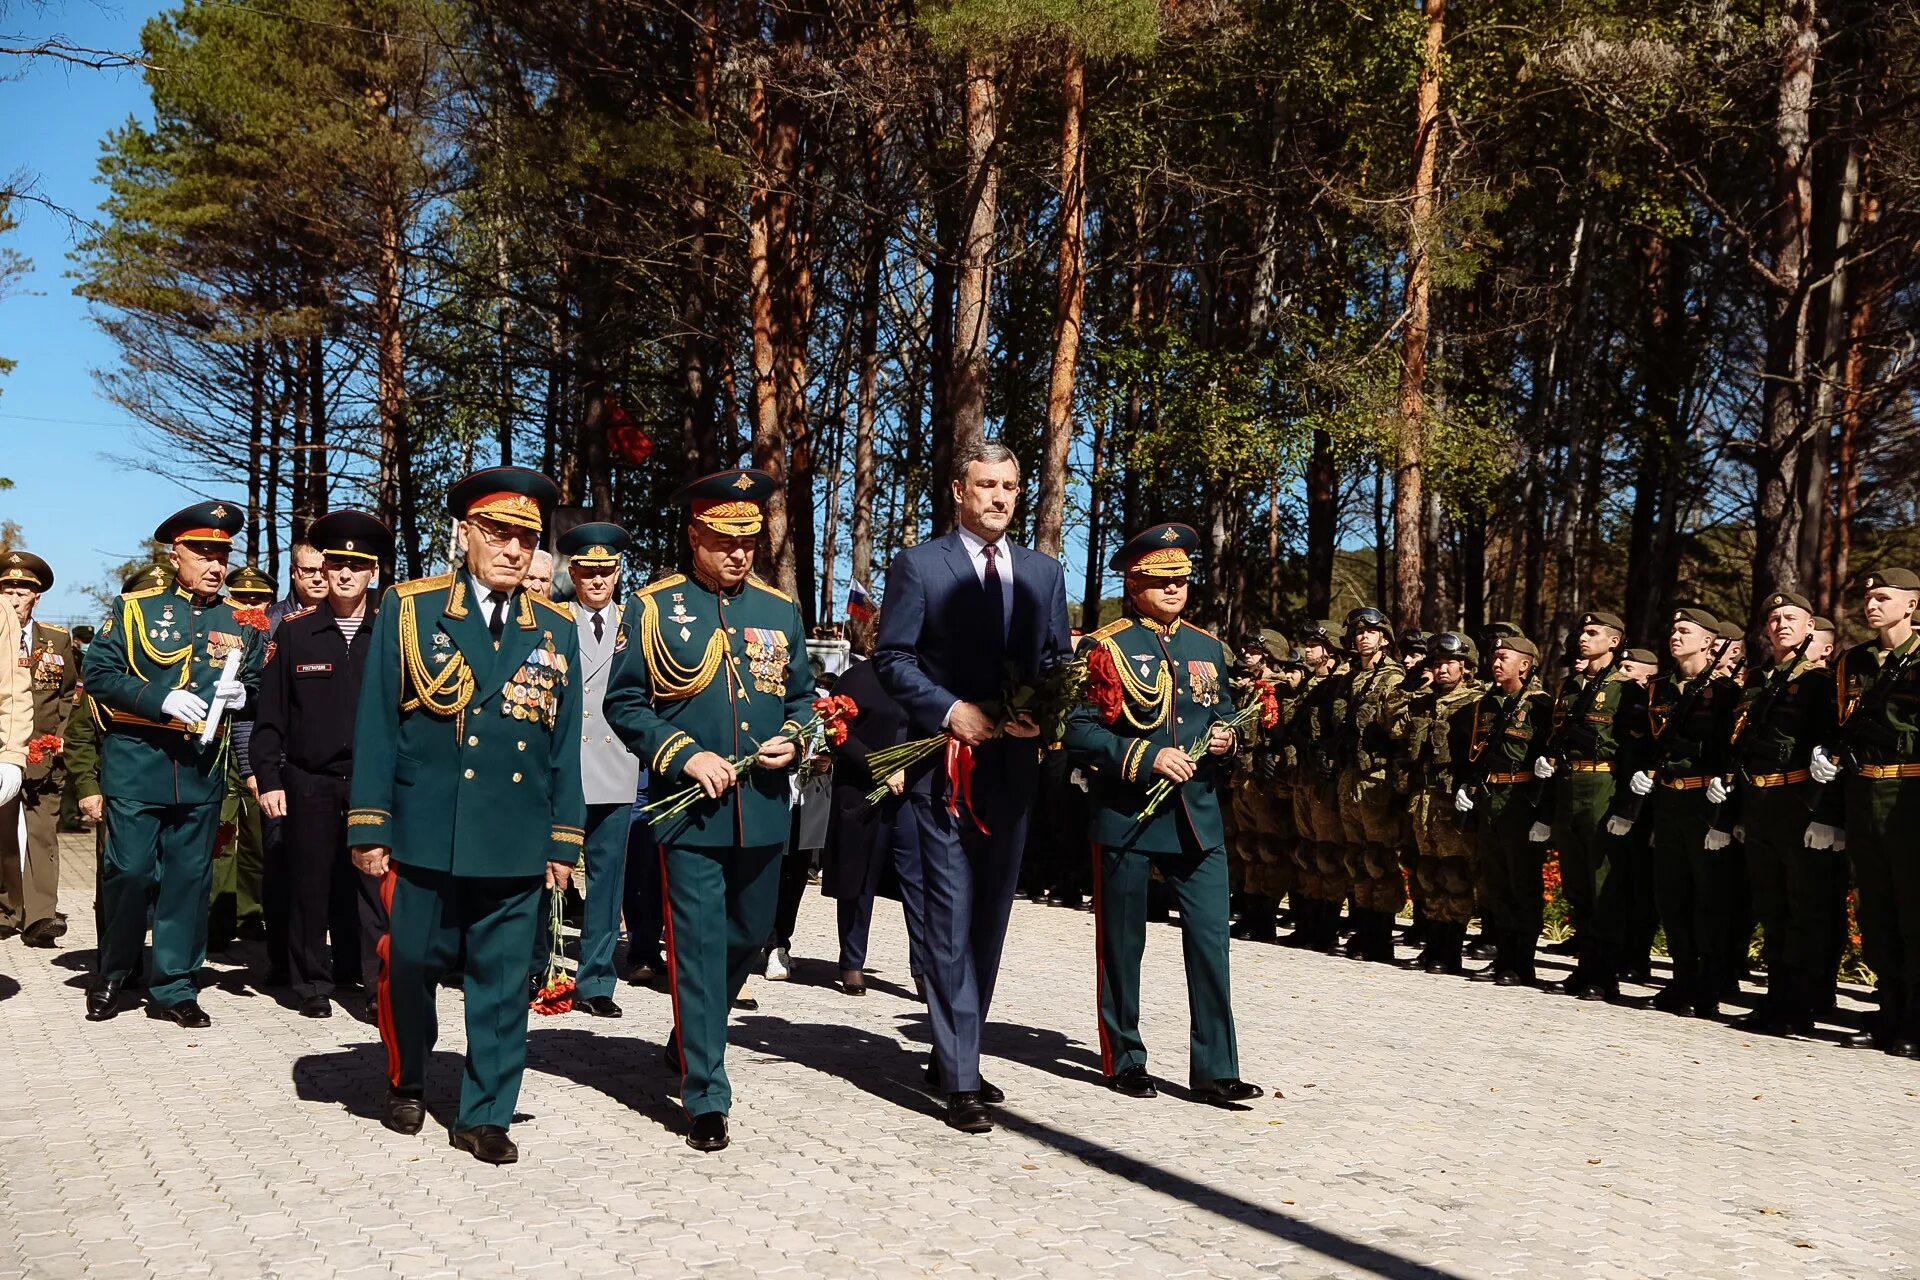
(1539, 833)
(1824, 770)
(11, 775)
(231, 692)
(1619, 826)
(1641, 783)
(185, 706)
(1740, 832)
(1078, 779)
(1717, 793)
(1462, 801)
(1717, 839)
(1544, 767)
(1819, 836)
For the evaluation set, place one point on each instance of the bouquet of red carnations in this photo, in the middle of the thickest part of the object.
(556, 985)
(44, 747)
(1262, 707)
(830, 717)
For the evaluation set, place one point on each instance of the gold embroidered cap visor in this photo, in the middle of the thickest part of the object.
(729, 502)
(509, 495)
(1162, 551)
(595, 545)
(212, 524)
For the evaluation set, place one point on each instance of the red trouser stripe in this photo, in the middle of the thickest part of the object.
(1099, 970)
(383, 991)
(673, 972)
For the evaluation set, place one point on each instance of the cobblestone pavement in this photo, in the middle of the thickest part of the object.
(1421, 1127)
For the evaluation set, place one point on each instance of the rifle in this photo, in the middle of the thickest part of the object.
(1846, 752)
(1627, 806)
(1761, 711)
(1477, 789)
(1557, 747)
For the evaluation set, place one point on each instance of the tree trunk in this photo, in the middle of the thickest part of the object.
(503, 342)
(1410, 426)
(698, 445)
(940, 373)
(768, 447)
(1852, 418)
(1777, 514)
(974, 282)
(1832, 317)
(1323, 519)
(1071, 294)
(391, 395)
(1096, 511)
(319, 478)
(873, 244)
(256, 445)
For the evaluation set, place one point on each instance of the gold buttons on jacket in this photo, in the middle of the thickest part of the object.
(469, 773)
(516, 777)
(520, 746)
(472, 741)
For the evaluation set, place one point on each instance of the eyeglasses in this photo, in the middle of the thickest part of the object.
(500, 535)
(309, 570)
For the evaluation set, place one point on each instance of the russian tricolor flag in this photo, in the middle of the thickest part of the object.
(859, 603)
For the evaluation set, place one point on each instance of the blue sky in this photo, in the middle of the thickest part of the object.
(78, 509)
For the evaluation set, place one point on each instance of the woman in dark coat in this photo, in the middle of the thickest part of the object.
(865, 841)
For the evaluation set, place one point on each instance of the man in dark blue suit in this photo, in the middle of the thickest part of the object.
(959, 611)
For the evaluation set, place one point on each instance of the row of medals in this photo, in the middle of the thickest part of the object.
(529, 699)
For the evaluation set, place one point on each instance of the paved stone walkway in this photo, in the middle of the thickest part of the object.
(1422, 1127)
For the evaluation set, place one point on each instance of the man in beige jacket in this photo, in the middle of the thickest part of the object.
(16, 709)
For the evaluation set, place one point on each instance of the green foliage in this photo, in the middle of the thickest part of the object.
(1101, 28)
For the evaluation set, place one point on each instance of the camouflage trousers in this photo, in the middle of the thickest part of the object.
(1320, 869)
(1375, 831)
(1444, 870)
(1261, 817)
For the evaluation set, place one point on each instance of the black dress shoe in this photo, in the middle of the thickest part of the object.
(1905, 1047)
(1600, 991)
(708, 1132)
(1513, 978)
(1708, 1009)
(403, 1114)
(989, 1091)
(103, 1001)
(252, 931)
(1226, 1093)
(59, 925)
(187, 1013)
(489, 1144)
(1481, 951)
(968, 1113)
(1762, 1022)
(1572, 985)
(1492, 973)
(1865, 1040)
(1640, 975)
(1673, 1000)
(598, 1006)
(8, 931)
(1134, 1082)
(41, 933)
(645, 972)
(316, 1007)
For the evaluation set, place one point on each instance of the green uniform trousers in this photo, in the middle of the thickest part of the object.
(1793, 888)
(1698, 891)
(604, 859)
(720, 908)
(431, 913)
(1592, 871)
(1199, 883)
(158, 858)
(1882, 818)
(1507, 872)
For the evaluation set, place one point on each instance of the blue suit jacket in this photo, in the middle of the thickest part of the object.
(937, 642)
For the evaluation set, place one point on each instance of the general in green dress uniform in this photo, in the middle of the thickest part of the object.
(156, 666)
(1159, 686)
(1878, 750)
(466, 795)
(715, 672)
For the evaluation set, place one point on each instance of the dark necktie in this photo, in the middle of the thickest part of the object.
(599, 627)
(995, 600)
(497, 615)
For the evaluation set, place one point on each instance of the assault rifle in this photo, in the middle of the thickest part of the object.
(1628, 803)
(1559, 744)
(1759, 714)
(1483, 762)
(1846, 752)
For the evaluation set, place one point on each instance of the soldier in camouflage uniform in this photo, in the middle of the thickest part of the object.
(1319, 871)
(1259, 809)
(1430, 736)
(1363, 710)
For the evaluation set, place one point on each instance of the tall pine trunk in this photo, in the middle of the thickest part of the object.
(1071, 293)
(980, 125)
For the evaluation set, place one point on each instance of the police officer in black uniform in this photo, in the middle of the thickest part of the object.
(303, 758)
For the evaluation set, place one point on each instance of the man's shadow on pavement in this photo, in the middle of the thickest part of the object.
(627, 1069)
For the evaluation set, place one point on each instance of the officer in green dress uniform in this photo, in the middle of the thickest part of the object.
(155, 668)
(466, 797)
(1591, 710)
(1765, 805)
(1509, 729)
(609, 774)
(1670, 758)
(1158, 686)
(1878, 750)
(715, 672)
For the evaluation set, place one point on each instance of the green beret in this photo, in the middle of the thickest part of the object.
(25, 569)
(1640, 655)
(1598, 618)
(1520, 645)
(1730, 630)
(1698, 617)
(1783, 600)
(1502, 628)
(1898, 579)
(1824, 624)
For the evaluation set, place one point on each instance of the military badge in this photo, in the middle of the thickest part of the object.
(1204, 679)
(767, 660)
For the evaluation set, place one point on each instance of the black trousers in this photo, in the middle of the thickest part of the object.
(335, 918)
(641, 898)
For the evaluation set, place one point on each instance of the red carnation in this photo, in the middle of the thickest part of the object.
(1103, 686)
(1269, 704)
(555, 997)
(40, 748)
(255, 618)
(833, 713)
